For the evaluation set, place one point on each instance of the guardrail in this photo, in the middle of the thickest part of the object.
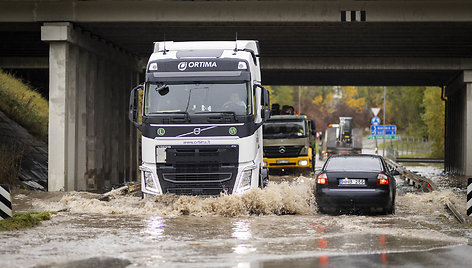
(425, 184)
(411, 178)
(419, 160)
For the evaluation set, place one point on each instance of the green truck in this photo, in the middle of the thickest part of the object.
(289, 142)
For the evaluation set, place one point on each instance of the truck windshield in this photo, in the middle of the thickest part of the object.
(198, 98)
(292, 129)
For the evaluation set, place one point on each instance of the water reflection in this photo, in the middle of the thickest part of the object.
(242, 230)
(155, 227)
(244, 249)
(383, 256)
(318, 226)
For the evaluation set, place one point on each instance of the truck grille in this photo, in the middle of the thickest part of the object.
(199, 170)
(196, 177)
(282, 151)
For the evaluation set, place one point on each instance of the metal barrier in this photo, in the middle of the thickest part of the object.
(469, 197)
(428, 186)
(411, 178)
(5, 202)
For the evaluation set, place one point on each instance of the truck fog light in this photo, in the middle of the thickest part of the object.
(303, 162)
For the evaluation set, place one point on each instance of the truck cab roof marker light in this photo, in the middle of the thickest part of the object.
(153, 66)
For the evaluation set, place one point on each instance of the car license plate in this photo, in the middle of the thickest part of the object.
(347, 181)
(282, 161)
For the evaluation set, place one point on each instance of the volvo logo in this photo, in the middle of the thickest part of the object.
(282, 149)
(182, 66)
(197, 131)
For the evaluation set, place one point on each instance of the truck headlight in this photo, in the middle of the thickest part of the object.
(264, 164)
(245, 180)
(303, 162)
(148, 179)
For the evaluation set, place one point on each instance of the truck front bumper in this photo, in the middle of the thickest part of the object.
(288, 162)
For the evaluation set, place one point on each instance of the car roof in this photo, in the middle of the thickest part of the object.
(356, 155)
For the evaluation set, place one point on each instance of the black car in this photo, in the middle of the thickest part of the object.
(355, 182)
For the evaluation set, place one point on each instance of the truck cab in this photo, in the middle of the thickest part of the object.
(289, 142)
(200, 112)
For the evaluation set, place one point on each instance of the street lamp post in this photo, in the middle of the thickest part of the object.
(385, 112)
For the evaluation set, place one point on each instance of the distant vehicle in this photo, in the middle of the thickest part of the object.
(355, 182)
(289, 142)
(341, 139)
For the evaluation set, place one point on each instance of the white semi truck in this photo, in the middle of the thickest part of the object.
(200, 112)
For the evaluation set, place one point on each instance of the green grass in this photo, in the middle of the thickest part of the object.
(21, 103)
(24, 220)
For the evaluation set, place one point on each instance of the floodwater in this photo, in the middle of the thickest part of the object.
(256, 229)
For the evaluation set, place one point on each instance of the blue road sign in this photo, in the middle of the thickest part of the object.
(379, 130)
(375, 121)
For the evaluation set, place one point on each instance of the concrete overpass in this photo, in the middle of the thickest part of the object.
(95, 51)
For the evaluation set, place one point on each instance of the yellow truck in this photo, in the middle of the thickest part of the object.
(289, 142)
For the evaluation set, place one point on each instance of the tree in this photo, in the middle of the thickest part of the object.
(433, 117)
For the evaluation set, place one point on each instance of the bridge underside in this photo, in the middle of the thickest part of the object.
(93, 65)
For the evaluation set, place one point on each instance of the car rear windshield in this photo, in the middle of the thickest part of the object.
(350, 163)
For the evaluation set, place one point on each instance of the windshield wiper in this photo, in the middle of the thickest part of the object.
(186, 116)
(171, 112)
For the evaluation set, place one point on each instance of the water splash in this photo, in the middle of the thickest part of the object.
(276, 199)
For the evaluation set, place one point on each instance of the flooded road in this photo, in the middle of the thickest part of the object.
(259, 228)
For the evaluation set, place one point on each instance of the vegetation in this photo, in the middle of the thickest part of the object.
(416, 111)
(24, 220)
(24, 105)
(10, 162)
(433, 118)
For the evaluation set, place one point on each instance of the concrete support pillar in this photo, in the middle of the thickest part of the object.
(89, 140)
(59, 67)
(458, 151)
(468, 128)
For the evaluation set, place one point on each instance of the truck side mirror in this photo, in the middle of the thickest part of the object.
(265, 100)
(313, 126)
(133, 112)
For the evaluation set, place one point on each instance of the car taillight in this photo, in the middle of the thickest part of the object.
(382, 179)
(322, 179)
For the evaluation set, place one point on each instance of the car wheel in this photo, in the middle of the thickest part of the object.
(390, 210)
(263, 178)
(321, 210)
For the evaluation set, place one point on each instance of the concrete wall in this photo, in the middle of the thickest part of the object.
(458, 143)
(91, 142)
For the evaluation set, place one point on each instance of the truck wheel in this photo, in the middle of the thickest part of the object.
(263, 178)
